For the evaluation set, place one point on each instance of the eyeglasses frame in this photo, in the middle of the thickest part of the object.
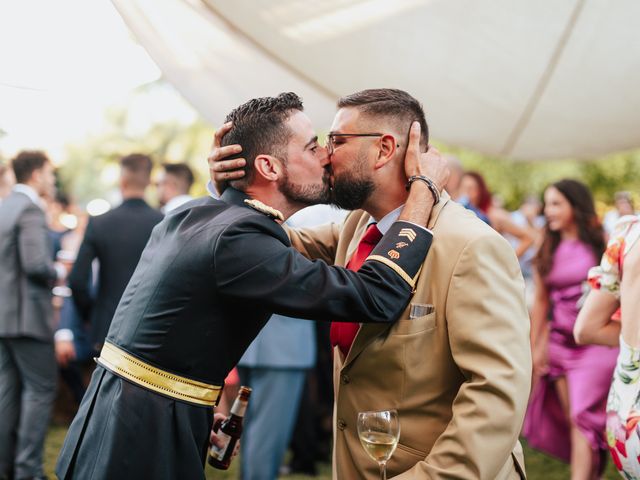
(330, 137)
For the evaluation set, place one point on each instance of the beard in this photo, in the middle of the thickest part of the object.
(352, 189)
(306, 194)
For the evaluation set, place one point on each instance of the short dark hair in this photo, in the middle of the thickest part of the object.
(182, 172)
(136, 168)
(391, 103)
(27, 162)
(259, 127)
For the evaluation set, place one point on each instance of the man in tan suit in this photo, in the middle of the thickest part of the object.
(458, 376)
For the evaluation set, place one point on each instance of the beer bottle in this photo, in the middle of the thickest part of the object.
(229, 432)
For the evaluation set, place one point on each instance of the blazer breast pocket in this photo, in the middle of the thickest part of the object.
(415, 325)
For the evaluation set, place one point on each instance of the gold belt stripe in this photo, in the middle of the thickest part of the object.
(152, 378)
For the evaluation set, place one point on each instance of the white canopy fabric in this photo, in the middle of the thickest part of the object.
(515, 78)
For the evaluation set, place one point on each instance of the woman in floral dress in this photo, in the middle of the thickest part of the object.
(610, 316)
(566, 414)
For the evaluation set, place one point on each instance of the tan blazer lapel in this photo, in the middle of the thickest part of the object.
(367, 334)
(370, 332)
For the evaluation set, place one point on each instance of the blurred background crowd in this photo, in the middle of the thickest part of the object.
(105, 127)
(95, 246)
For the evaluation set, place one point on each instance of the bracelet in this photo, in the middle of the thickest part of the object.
(430, 183)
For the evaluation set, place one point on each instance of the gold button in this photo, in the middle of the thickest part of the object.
(342, 424)
(345, 379)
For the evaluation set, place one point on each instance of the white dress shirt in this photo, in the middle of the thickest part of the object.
(29, 192)
(175, 202)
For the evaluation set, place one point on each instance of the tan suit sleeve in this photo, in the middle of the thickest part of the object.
(316, 243)
(488, 328)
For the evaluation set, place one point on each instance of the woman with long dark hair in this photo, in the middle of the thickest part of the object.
(566, 415)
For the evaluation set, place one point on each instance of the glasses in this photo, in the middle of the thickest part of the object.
(332, 136)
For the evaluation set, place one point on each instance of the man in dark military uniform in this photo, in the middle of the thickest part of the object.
(210, 277)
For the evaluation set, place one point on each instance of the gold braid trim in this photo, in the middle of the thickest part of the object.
(152, 378)
(266, 209)
(395, 267)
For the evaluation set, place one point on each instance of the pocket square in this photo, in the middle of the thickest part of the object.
(417, 310)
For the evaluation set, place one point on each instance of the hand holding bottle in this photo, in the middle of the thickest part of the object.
(225, 436)
(216, 439)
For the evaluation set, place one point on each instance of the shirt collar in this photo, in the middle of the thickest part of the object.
(212, 191)
(175, 202)
(29, 192)
(385, 223)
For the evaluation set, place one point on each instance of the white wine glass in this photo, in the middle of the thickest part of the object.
(379, 433)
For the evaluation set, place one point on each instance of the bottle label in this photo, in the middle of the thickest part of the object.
(238, 408)
(219, 452)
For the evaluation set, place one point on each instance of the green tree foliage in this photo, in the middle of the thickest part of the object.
(90, 168)
(514, 180)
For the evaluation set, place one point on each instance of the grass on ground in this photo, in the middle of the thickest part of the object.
(539, 466)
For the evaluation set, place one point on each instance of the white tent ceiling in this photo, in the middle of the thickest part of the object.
(517, 78)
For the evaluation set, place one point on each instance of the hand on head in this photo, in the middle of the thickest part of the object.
(221, 170)
(430, 163)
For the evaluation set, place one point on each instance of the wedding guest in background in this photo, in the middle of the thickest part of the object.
(566, 414)
(116, 239)
(173, 185)
(457, 171)
(610, 317)
(27, 362)
(7, 180)
(477, 197)
(623, 202)
(528, 216)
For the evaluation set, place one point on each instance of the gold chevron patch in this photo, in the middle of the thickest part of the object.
(409, 233)
(393, 254)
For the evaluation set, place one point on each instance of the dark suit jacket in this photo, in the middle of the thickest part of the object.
(116, 239)
(210, 277)
(26, 270)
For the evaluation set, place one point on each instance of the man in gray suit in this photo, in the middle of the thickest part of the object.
(27, 361)
(6, 181)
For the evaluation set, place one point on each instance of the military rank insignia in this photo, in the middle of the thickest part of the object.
(400, 247)
(266, 209)
(409, 233)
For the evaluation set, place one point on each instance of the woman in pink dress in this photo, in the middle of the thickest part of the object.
(610, 317)
(566, 415)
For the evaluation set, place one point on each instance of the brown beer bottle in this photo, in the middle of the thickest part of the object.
(229, 432)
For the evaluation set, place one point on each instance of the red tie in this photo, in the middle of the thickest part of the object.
(342, 334)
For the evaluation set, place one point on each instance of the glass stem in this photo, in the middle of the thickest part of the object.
(383, 470)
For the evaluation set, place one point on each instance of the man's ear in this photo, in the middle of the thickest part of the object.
(37, 176)
(268, 167)
(388, 149)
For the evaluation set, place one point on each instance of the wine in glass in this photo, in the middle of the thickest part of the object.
(379, 433)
